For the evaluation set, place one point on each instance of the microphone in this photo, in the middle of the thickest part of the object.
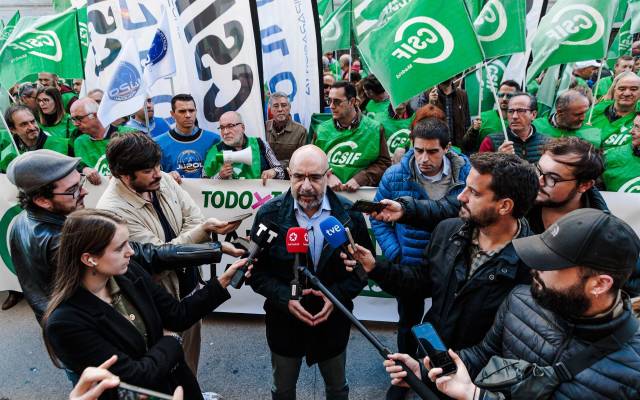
(297, 242)
(264, 236)
(335, 234)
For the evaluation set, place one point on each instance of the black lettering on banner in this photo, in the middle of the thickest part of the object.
(114, 46)
(149, 19)
(215, 47)
(206, 17)
(240, 73)
(99, 21)
(100, 25)
(246, 198)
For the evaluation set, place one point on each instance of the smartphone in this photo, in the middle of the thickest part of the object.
(130, 392)
(240, 217)
(367, 206)
(431, 345)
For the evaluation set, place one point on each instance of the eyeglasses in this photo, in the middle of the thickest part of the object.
(313, 178)
(337, 102)
(44, 100)
(279, 105)
(502, 94)
(550, 180)
(75, 193)
(230, 126)
(517, 110)
(79, 118)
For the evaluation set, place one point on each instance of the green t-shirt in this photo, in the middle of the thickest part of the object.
(57, 144)
(377, 109)
(622, 170)
(213, 162)
(349, 150)
(603, 87)
(396, 132)
(92, 152)
(590, 134)
(63, 129)
(616, 133)
(66, 98)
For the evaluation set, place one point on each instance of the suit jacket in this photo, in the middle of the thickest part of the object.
(85, 331)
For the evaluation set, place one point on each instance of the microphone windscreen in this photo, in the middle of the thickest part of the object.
(333, 232)
(297, 240)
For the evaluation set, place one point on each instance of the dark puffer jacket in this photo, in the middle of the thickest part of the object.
(524, 330)
(530, 150)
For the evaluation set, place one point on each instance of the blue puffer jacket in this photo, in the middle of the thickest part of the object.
(405, 244)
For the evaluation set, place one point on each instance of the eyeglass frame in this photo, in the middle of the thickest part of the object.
(546, 176)
(313, 178)
(229, 126)
(79, 118)
(518, 110)
(75, 193)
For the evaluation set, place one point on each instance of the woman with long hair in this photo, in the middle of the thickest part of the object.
(104, 304)
(52, 117)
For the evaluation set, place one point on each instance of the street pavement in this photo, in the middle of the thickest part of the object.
(234, 360)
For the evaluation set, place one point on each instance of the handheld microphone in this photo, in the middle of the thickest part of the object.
(335, 234)
(265, 235)
(297, 242)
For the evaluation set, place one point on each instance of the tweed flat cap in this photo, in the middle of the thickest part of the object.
(34, 169)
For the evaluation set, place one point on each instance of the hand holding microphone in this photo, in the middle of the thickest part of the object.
(265, 235)
(358, 255)
(337, 236)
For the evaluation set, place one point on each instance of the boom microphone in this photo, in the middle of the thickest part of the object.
(265, 235)
(297, 242)
(335, 234)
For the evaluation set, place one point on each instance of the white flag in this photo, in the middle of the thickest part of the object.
(160, 62)
(126, 92)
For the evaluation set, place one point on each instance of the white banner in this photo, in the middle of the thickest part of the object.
(215, 48)
(290, 54)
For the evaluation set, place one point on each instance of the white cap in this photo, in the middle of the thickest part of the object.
(586, 64)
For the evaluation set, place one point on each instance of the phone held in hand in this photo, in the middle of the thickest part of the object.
(367, 207)
(239, 218)
(431, 345)
(130, 392)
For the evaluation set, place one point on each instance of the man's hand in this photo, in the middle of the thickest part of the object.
(226, 172)
(396, 372)
(398, 154)
(220, 227)
(323, 314)
(351, 186)
(92, 175)
(334, 183)
(433, 96)
(230, 249)
(458, 385)
(225, 278)
(477, 124)
(267, 174)
(361, 255)
(507, 147)
(176, 177)
(94, 381)
(296, 309)
(391, 213)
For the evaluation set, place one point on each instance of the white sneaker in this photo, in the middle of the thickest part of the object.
(211, 396)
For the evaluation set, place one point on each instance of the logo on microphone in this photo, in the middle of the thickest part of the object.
(293, 237)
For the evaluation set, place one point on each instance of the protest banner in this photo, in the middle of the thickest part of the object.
(291, 57)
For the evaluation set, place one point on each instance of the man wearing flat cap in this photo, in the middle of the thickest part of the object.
(574, 323)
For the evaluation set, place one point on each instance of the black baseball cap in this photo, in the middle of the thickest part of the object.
(585, 237)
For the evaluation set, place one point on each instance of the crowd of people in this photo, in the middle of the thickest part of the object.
(499, 220)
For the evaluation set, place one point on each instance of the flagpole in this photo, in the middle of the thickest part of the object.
(480, 92)
(495, 97)
(593, 103)
(146, 116)
(80, 45)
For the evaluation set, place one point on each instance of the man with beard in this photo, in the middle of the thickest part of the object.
(469, 266)
(579, 266)
(284, 135)
(264, 163)
(158, 211)
(309, 327)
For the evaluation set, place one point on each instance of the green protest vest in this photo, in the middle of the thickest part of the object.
(350, 150)
(59, 145)
(377, 109)
(396, 132)
(616, 133)
(63, 129)
(622, 170)
(591, 135)
(213, 162)
(603, 86)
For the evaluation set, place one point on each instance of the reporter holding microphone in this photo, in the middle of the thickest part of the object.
(105, 304)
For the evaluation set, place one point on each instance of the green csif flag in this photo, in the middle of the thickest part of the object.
(490, 79)
(50, 43)
(336, 31)
(500, 27)
(367, 14)
(573, 30)
(325, 8)
(420, 46)
(8, 29)
(621, 44)
(634, 14)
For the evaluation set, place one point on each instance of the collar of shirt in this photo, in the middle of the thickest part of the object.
(141, 126)
(445, 171)
(312, 225)
(354, 123)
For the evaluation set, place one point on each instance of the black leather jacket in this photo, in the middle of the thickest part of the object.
(35, 238)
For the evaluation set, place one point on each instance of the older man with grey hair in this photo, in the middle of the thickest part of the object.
(284, 135)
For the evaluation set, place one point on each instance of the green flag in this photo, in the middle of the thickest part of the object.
(8, 29)
(621, 44)
(336, 32)
(83, 32)
(368, 13)
(472, 84)
(621, 11)
(500, 27)
(420, 46)
(325, 8)
(474, 7)
(48, 44)
(573, 30)
(634, 14)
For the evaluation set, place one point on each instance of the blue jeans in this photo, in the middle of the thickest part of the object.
(286, 371)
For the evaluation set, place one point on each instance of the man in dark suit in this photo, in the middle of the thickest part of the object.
(308, 327)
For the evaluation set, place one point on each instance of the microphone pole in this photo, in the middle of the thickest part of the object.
(414, 382)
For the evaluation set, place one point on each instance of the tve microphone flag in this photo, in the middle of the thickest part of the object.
(334, 233)
(297, 242)
(265, 235)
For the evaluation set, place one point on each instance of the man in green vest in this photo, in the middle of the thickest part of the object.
(489, 121)
(567, 120)
(47, 79)
(622, 164)
(623, 64)
(261, 164)
(91, 145)
(615, 117)
(379, 102)
(355, 145)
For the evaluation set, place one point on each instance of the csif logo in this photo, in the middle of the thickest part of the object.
(398, 139)
(84, 34)
(343, 153)
(423, 40)
(631, 186)
(45, 44)
(492, 22)
(494, 72)
(576, 25)
(332, 31)
(126, 82)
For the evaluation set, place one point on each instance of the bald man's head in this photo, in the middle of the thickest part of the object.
(84, 116)
(307, 153)
(309, 172)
